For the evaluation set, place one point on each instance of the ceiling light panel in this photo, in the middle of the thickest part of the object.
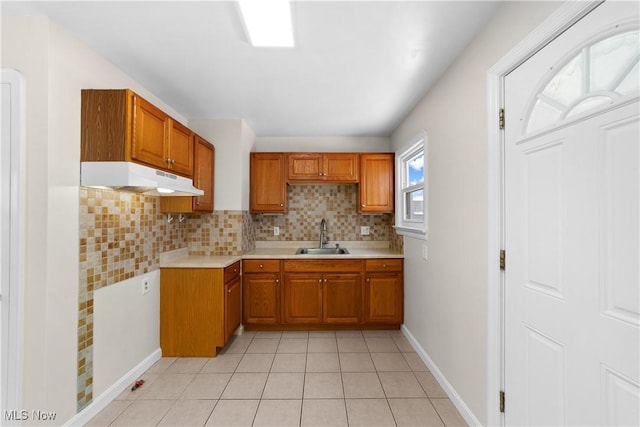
(268, 22)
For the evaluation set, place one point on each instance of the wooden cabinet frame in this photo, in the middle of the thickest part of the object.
(120, 125)
(322, 293)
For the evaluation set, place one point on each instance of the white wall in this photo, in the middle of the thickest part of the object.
(124, 316)
(446, 296)
(233, 140)
(336, 144)
(55, 67)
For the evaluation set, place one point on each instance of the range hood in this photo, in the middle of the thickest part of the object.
(133, 177)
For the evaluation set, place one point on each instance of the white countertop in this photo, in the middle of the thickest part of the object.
(180, 258)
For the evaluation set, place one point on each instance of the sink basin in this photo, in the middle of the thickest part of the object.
(322, 251)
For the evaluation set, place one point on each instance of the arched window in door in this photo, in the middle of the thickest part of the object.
(600, 74)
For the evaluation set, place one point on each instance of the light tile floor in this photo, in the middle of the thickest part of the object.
(328, 378)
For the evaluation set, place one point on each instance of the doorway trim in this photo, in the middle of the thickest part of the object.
(564, 17)
(12, 312)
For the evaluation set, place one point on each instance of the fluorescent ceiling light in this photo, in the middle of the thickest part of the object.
(268, 22)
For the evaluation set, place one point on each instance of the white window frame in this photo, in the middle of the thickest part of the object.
(411, 228)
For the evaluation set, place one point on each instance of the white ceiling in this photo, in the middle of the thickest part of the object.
(358, 67)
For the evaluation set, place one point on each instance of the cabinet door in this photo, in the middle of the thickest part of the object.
(180, 149)
(232, 307)
(376, 193)
(342, 298)
(340, 167)
(260, 298)
(302, 298)
(203, 172)
(304, 167)
(383, 298)
(268, 189)
(150, 134)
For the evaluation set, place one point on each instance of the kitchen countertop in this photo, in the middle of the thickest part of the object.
(180, 258)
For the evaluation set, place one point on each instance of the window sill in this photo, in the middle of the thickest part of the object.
(411, 232)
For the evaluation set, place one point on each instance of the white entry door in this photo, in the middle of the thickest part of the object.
(572, 225)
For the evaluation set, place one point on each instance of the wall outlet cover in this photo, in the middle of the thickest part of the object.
(364, 231)
(276, 231)
(144, 286)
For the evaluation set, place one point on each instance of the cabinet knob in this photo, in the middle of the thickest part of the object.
(197, 203)
(319, 280)
(173, 161)
(363, 205)
(367, 280)
(277, 281)
(229, 291)
(168, 160)
(384, 265)
(261, 266)
(281, 204)
(325, 280)
(235, 270)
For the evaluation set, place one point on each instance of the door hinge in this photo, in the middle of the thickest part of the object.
(501, 401)
(501, 118)
(503, 255)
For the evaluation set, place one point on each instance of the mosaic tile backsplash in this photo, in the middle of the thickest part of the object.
(336, 203)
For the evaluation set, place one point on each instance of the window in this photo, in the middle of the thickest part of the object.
(411, 213)
(599, 75)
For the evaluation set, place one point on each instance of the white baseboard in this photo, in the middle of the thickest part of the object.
(455, 398)
(100, 402)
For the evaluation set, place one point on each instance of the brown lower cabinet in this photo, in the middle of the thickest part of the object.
(199, 309)
(322, 294)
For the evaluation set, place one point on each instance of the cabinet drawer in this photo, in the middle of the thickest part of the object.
(261, 265)
(383, 264)
(231, 272)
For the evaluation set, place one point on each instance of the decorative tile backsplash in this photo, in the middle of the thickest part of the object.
(336, 203)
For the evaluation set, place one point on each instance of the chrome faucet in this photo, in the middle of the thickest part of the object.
(323, 233)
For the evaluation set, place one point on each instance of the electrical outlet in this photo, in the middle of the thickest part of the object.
(364, 230)
(144, 286)
(424, 252)
(276, 231)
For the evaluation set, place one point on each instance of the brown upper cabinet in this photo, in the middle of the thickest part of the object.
(376, 192)
(120, 125)
(268, 186)
(332, 167)
(203, 173)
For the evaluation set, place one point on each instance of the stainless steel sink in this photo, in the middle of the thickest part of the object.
(322, 251)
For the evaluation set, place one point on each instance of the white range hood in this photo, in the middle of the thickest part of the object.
(127, 176)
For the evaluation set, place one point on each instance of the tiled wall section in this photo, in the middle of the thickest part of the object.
(220, 233)
(122, 235)
(308, 204)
